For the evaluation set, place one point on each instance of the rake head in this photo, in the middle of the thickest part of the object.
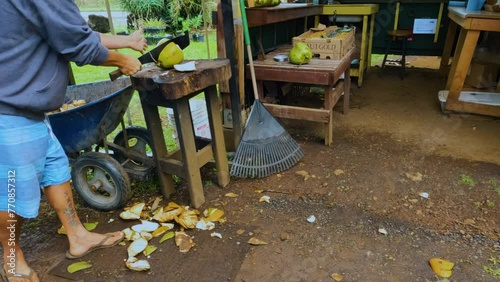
(265, 148)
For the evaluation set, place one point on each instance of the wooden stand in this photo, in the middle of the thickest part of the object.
(471, 24)
(326, 73)
(168, 88)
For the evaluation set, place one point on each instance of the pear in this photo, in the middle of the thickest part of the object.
(171, 55)
(300, 54)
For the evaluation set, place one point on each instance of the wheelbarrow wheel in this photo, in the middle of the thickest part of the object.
(139, 142)
(101, 181)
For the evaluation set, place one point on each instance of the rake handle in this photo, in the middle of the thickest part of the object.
(249, 48)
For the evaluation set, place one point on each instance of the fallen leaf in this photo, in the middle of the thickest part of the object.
(311, 219)
(383, 231)
(338, 172)
(216, 234)
(231, 195)
(160, 230)
(337, 277)
(62, 231)
(254, 241)
(265, 199)
(188, 218)
(137, 208)
(415, 176)
(304, 174)
(149, 250)
(129, 215)
(213, 214)
(183, 241)
(137, 247)
(469, 221)
(258, 191)
(168, 235)
(77, 266)
(240, 231)
(441, 267)
(137, 265)
(204, 224)
(155, 204)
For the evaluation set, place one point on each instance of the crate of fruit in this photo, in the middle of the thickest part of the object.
(330, 43)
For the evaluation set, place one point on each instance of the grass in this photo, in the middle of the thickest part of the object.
(467, 180)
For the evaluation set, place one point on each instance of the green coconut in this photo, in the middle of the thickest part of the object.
(300, 54)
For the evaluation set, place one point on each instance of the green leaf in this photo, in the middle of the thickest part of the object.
(90, 225)
(77, 266)
(168, 235)
(149, 250)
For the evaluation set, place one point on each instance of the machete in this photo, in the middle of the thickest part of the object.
(152, 56)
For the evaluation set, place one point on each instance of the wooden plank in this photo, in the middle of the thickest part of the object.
(218, 143)
(448, 45)
(473, 108)
(461, 63)
(329, 103)
(280, 13)
(188, 149)
(486, 24)
(347, 90)
(293, 112)
(153, 124)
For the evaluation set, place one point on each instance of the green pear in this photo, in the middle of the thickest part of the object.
(300, 54)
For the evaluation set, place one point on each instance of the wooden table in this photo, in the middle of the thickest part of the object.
(471, 24)
(368, 11)
(169, 88)
(322, 72)
(282, 12)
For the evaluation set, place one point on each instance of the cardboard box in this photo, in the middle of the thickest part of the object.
(328, 48)
(482, 75)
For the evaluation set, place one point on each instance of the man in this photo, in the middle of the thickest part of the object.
(39, 38)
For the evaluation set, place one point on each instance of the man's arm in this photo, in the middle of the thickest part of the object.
(134, 41)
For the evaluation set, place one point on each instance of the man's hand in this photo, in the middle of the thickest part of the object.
(137, 41)
(130, 65)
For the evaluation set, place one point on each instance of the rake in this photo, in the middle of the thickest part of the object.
(265, 147)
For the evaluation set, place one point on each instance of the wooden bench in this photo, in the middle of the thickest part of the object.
(320, 72)
(169, 88)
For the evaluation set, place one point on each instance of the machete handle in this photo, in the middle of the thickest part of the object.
(115, 74)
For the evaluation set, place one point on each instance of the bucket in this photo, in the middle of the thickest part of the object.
(199, 114)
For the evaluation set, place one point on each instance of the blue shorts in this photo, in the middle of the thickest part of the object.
(30, 158)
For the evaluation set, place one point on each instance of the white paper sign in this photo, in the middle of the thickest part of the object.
(424, 26)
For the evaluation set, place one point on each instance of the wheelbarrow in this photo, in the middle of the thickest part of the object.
(101, 170)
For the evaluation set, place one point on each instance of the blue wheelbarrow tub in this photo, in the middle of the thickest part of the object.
(82, 127)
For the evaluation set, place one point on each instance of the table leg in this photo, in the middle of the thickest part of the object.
(218, 144)
(461, 61)
(153, 124)
(448, 45)
(347, 90)
(370, 43)
(363, 52)
(328, 105)
(188, 149)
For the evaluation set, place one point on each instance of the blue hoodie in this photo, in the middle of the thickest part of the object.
(38, 38)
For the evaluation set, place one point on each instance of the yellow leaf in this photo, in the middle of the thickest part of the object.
(160, 231)
(77, 266)
(231, 195)
(255, 241)
(214, 214)
(90, 225)
(337, 277)
(168, 235)
(62, 231)
(441, 267)
(149, 250)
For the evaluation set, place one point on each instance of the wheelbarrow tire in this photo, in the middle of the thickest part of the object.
(133, 132)
(100, 181)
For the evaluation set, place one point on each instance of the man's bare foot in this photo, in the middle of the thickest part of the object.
(84, 244)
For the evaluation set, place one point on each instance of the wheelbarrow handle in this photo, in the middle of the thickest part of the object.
(115, 74)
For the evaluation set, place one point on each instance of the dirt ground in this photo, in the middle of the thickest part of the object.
(394, 144)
